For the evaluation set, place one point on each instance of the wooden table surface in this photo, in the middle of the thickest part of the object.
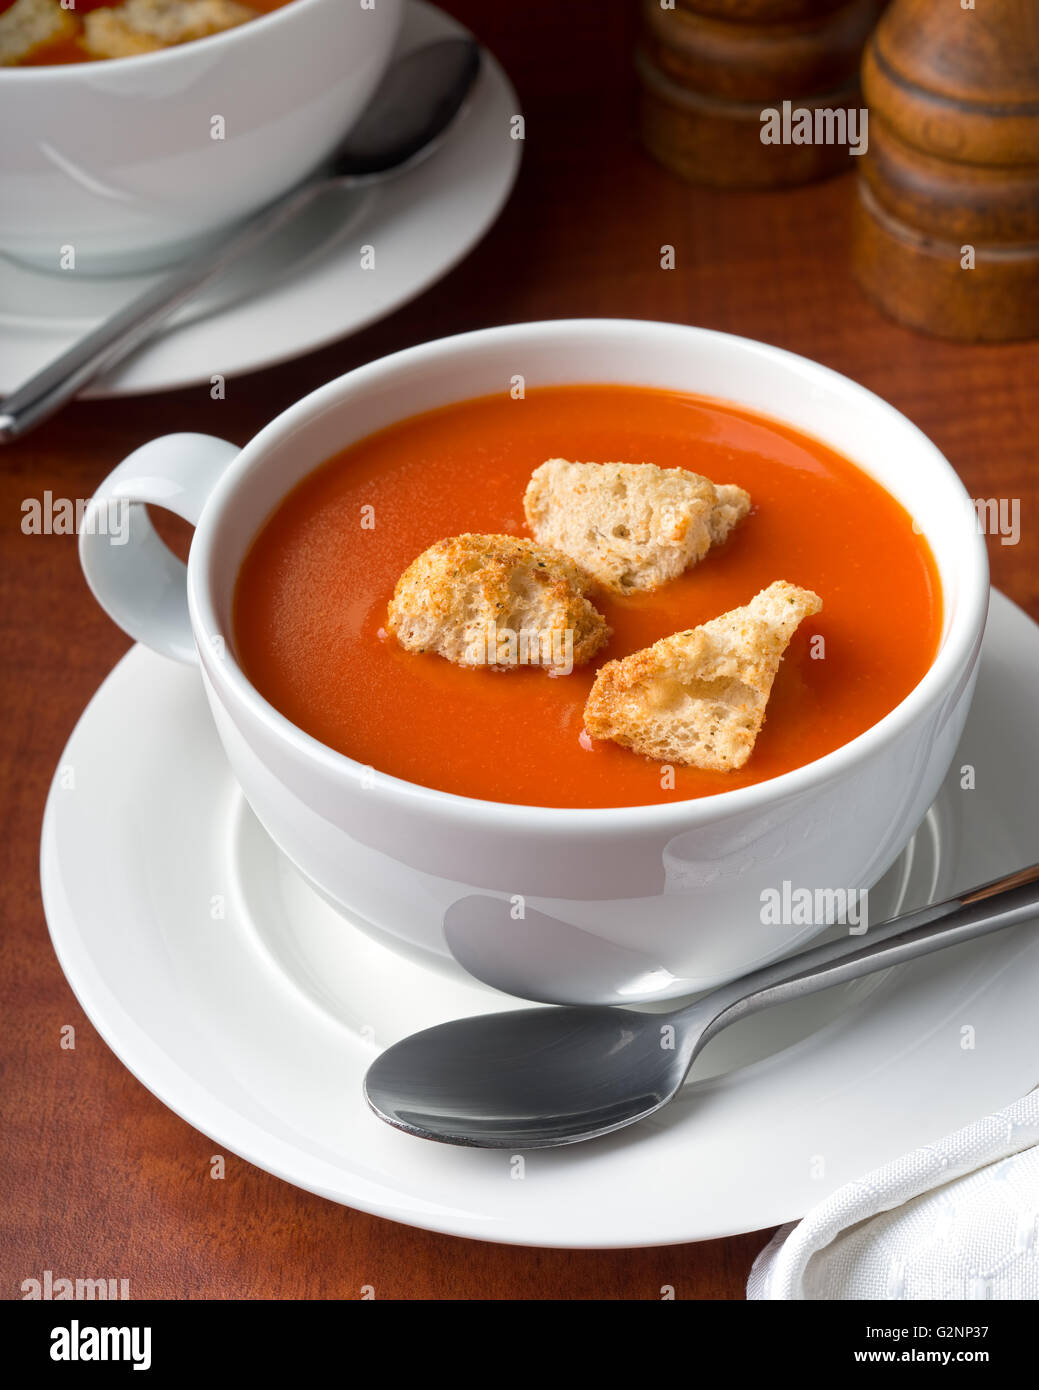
(97, 1176)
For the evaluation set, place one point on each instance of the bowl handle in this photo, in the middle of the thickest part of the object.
(137, 580)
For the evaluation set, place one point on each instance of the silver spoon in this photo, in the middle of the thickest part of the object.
(416, 103)
(537, 1078)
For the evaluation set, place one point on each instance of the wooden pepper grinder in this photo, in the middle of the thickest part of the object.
(709, 68)
(947, 222)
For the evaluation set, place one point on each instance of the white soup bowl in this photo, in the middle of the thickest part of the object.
(679, 883)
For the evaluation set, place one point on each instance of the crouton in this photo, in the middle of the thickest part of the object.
(496, 601)
(632, 526)
(29, 25)
(107, 35)
(142, 26)
(699, 697)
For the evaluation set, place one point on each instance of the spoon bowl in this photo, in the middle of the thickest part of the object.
(529, 1079)
(415, 105)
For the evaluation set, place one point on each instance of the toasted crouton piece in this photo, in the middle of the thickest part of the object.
(699, 697)
(632, 526)
(464, 596)
(107, 35)
(142, 26)
(29, 25)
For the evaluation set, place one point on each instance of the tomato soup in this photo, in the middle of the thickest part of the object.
(77, 42)
(310, 603)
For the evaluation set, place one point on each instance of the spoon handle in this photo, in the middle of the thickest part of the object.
(1003, 903)
(48, 389)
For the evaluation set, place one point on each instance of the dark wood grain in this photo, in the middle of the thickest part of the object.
(98, 1177)
(731, 59)
(707, 75)
(953, 163)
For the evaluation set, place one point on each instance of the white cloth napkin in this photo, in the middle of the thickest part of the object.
(958, 1219)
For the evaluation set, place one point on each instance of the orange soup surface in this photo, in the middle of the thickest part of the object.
(310, 603)
(72, 47)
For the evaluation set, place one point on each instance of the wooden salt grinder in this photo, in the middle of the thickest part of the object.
(947, 222)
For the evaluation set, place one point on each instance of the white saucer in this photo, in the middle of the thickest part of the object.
(420, 225)
(241, 1000)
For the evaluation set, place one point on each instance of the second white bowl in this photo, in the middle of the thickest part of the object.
(119, 166)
